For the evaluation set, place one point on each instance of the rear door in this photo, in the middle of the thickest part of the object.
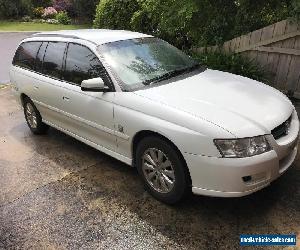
(48, 66)
(89, 114)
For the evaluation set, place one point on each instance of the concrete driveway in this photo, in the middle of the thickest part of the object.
(8, 44)
(58, 193)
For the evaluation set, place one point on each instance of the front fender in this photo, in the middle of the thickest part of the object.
(136, 117)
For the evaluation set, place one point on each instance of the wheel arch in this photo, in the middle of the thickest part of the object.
(147, 133)
(22, 97)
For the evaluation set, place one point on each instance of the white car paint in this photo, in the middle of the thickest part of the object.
(190, 110)
(239, 105)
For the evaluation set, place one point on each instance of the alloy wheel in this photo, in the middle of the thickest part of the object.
(158, 170)
(31, 115)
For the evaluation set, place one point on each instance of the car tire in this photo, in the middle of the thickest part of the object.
(162, 170)
(33, 117)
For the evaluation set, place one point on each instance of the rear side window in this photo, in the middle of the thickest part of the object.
(26, 54)
(53, 59)
(82, 64)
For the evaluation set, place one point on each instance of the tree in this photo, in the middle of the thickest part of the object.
(41, 3)
(186, 22)
(14, 8)
(115, 14)
(253, 15)
(84, 9)
(194, 22)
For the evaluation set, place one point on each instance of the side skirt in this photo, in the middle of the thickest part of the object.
(109, 152)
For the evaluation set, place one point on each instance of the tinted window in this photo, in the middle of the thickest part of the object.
(82, 64)
(26, 53)
(40, 56)
(53, 59)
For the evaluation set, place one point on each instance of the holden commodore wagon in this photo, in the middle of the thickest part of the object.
(137, 98)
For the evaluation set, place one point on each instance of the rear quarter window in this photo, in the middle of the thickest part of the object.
(26, 54)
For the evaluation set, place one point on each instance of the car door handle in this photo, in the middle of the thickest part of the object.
(36, 87)
(66, 98)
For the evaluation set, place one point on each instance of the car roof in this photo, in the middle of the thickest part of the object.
(96, 36)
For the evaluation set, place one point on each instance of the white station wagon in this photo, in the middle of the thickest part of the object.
(146, 103)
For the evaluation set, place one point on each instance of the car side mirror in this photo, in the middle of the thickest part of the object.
(94, 85)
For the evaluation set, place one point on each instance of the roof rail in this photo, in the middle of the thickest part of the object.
(60, 35)
(54, 35)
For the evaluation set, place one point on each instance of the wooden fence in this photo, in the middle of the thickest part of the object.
(276, 48)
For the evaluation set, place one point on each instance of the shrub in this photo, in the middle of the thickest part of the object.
(49, 12)
(115, 14)
(61, 5)
(26, 19)
(49, 20)
(233, 63)
(52, 21)
(38, 12)
(63, 18)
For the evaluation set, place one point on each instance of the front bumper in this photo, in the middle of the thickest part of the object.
(234, 177)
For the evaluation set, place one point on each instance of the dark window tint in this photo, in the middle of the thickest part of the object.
(40, 56)
(82, 64)
(26, 53)
(53, 59)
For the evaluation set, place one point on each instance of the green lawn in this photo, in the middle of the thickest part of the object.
(2, 86)
(30, 26)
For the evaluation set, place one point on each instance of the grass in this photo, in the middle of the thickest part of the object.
(30, 26)
(2, 86)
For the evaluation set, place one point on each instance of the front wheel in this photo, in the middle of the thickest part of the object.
(33, 117)
(162, 169)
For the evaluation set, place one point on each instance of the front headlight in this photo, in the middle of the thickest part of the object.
(243, 147)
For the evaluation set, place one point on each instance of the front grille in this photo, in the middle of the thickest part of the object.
(282, 129)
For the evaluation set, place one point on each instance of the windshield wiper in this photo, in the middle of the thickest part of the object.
(171, 74)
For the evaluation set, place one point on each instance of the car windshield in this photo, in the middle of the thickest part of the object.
(145, 61)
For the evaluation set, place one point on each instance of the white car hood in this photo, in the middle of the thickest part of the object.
(239, 105)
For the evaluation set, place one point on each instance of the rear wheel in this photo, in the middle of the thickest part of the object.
(33, 117)
(162, 169)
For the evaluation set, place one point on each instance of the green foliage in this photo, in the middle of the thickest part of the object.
(8, 9)
(84, 10)
(185, 22)
(41, 3)
(25, 7)
(252, 15)
(233, 63)
(115, 14)
(194, 22)
(295, 9)
(63, 18)
(14, 8)
(26, 19)
(38, 12)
